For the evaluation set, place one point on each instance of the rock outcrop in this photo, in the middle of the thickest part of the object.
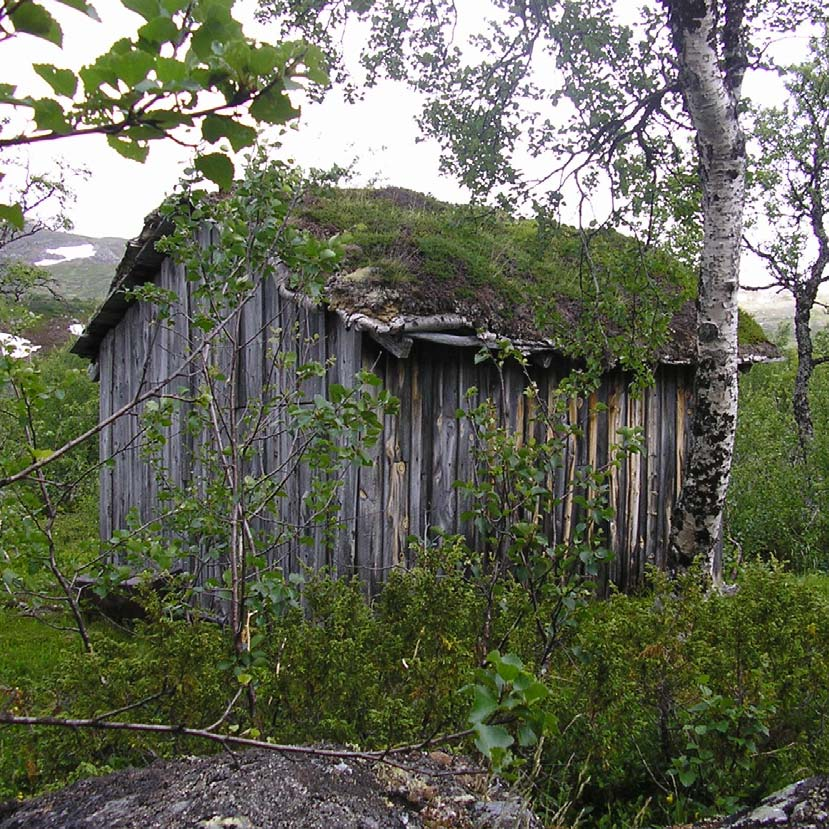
(803, 805)
(268, 790)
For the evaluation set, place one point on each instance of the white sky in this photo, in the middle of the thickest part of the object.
(113, 201)
(380, 131)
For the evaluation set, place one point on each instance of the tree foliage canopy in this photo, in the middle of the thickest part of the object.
(189, 64)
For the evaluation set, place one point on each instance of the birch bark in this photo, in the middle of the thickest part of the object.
(709, 41)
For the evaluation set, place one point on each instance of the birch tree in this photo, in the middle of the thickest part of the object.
(710, 43)
(791, 180)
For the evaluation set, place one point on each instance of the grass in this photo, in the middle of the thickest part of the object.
(521, 277)
(30, 649)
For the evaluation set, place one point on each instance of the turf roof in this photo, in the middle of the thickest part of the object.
(409, 256)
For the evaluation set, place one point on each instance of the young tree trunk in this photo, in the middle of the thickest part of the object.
(804, 301)
(710, 84)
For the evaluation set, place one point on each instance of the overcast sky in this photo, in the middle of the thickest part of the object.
(380, 132)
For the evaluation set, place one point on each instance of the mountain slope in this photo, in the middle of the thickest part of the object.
(82, 266)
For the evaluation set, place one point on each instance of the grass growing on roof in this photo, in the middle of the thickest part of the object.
(410, 236)
(597, 293)
(749, 331)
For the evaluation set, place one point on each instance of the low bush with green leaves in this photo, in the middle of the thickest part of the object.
(778, 504)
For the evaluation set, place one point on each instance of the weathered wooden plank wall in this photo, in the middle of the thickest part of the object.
(409, 484)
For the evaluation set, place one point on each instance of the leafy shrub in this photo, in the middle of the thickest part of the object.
(376, 674)
(680, 703)
(164, 673)
(778, 506)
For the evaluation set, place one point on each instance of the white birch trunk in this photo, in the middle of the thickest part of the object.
(710, 84)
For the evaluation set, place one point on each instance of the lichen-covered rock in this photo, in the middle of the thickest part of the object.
(268, 790)
(803, 805)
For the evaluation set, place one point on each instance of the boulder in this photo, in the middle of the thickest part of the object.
(270, 790)
(803, 805)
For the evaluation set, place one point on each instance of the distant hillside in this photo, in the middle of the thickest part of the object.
(83, 266)
(772, 310)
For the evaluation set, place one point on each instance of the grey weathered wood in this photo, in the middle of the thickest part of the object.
(370, 525)
(409, 486)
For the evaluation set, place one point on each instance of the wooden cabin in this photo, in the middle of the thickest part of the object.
(425, 355)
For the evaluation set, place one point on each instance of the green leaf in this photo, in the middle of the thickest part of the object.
(13, 214)
(159, 30)
(148, 9)
(131, 67)
(273, 107)
(264, 59)
(7, 91)
(63, 81)
(82, 6)
(527, 736)
(491, 737)
(536, 692)
(173, 6)
(483, 705)
(49, 115)
(170, 70)
(215, 127)
(688, 777)
(128, 149)
(33, 19)
(217, 167)
(508, 666)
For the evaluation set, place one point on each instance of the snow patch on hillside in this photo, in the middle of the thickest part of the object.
(16, 347)
(67, 254)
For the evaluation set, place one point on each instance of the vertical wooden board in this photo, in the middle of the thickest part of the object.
(591, 439)
(147, 493)
(513, 402)
(582, 445)
(634, 483)
(667, 403)
(105, 408)
(684, 385)
(445, 395)
(485, 379)
(269, 393)
(289, 504)
(427, 440)
(570, 474)
(653, 441)
(465, 465)
(179, 351)
(614, 423)
(540, 428)
(318, 352)
(349, 346)
(395, 491)
(559, 483)
(600, 424)
(307, 352)
(417, 501)
(370, 520)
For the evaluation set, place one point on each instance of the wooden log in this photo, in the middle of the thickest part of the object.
(445, 395)
(417, 497)
(570, 466)
(370, 523)
(349, 348)
(614, 414)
